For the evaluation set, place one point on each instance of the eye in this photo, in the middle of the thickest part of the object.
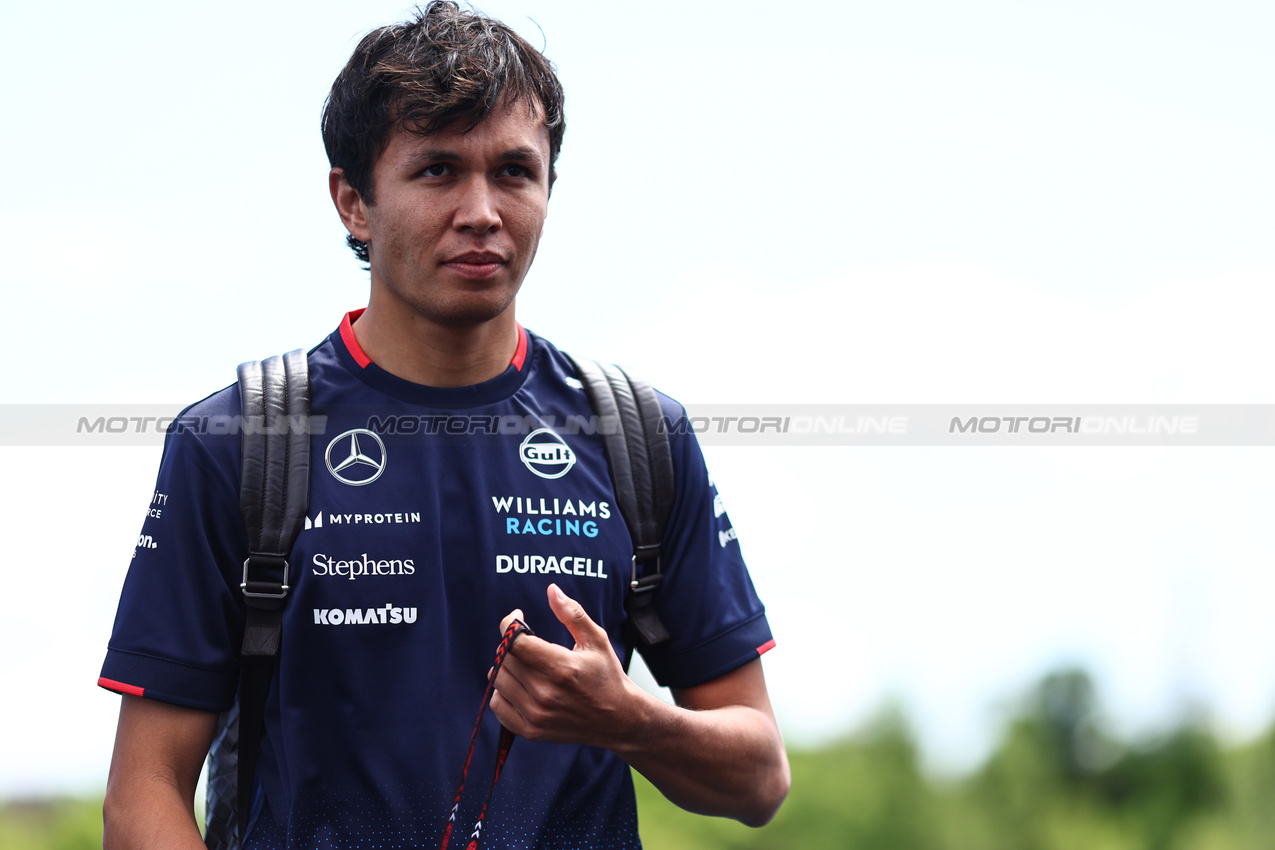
(516, 170)
(438, 169)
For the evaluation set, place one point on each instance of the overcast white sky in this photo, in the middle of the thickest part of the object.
(914, 202)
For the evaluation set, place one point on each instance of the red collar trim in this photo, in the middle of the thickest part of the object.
(520, 353)
(351, 343)
(361, 358)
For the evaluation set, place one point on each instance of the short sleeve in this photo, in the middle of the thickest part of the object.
(180, 620)
(707, 600)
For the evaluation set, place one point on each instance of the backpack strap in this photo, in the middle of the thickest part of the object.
(641, 466)
(274, 497)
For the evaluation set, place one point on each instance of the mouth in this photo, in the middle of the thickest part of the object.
(476, 265)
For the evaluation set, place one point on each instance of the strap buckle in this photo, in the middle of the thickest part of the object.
(639, 602)
(648, 582)
(265, 589)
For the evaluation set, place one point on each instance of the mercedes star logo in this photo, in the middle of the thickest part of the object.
(359, 461)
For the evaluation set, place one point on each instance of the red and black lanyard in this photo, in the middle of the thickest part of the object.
(516, 628)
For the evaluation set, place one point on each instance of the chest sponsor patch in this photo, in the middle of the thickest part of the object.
(359, 567)
(546, 454)
(567, 565)
(384, 615)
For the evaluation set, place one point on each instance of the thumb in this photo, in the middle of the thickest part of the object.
(571, 614)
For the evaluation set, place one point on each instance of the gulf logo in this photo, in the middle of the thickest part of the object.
(545, 454)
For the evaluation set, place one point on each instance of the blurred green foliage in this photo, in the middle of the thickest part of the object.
(51, 825)
(1058, 779)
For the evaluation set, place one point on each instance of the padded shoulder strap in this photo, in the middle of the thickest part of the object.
(275, 489)
(642, 471)
(274, 496)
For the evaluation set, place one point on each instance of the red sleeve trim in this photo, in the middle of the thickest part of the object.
(766, 647)
(120, 687)
(520, 355)
(351, 343)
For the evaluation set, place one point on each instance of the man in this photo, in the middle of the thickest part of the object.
(442, 134)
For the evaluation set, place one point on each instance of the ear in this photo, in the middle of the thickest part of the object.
(349, 204)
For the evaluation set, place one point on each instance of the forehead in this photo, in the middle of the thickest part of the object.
(508, 131)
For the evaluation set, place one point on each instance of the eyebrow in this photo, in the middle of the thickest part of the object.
(430, 153)
(522, 153)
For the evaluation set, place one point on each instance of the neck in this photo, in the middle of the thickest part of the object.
(423, 352)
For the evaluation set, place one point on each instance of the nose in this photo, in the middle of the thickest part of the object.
(476, 209)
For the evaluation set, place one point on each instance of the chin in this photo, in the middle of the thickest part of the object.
(469, 313)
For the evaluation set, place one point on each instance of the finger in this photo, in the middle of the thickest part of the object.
(510, 679)
(508, 714)
(515, 614)
(571, 614)
(510, 695)
(512, 670)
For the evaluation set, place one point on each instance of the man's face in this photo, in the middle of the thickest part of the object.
(457, 218)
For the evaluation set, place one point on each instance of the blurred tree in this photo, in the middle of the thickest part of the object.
(1032, 788)
(1163, 785)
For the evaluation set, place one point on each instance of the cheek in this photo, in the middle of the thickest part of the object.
(409, 232)
(528, 221)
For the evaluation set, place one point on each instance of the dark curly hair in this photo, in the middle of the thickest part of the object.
(446, 67)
